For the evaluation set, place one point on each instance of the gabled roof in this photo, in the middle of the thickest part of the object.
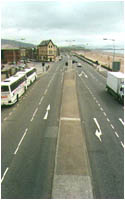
(45, 43)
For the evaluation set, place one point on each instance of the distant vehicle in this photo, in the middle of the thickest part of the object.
(115, 85)
(30, 75)
(66, 63)
(74, 61)
(12, 88)
(79, 65)
(22, 61)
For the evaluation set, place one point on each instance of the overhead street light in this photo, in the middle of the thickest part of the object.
(113, 40)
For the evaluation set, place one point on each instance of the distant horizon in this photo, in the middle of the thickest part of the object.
(102, 47)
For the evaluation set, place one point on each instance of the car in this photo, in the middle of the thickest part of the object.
(74, 61)
(79, 65)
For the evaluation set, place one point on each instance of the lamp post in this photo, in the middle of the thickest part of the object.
(113, 40)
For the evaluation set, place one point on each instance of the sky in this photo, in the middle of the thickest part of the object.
(77, 22)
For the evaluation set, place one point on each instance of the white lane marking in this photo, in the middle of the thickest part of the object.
(49, 84)
(70, 119)
(80, 74)
(10, 113)
(4, 174)
(108, 119)
(122, 144)
(45, 91)
(34, 114)
(62, 78)
(85, 74)
(121, 121)
(47, 112)
(112, 126)
(101, 109)
(5, 118)
(21, 141)
(41, 100)
(98, 133)
(104, 113)
(116, 134)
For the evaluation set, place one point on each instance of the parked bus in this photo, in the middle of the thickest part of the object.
(12, 88)
(30, 74)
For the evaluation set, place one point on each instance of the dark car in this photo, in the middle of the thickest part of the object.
(74, 61)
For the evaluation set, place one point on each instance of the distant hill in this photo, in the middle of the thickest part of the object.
(15, 44)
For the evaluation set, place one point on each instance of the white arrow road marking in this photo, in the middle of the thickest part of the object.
(46, 115)
(80, 74)
(48, 108)
(47, 111)
(85, 74)
(98, 133)
(121, 121)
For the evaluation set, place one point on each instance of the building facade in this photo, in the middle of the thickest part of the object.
(47, 51)
(10, 55)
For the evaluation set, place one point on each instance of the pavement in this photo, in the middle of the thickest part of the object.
(72, 171)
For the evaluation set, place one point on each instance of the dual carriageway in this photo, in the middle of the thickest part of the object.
(30, 137)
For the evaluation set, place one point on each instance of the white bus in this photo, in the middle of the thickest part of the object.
(30, 74)
(12, 88)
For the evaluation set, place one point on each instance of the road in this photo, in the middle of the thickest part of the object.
(30, 131)
(102, 118)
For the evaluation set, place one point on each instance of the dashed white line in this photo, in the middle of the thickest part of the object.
(104, 113)
(41, 100)
(121, 121)
(112, 126)
(101, 109)
(122, 144)
(5, 118)
(21, 141)
(116, 134)
(4, 174)
(34, 114)
(10, 113)
(108, 119)
(45, 91)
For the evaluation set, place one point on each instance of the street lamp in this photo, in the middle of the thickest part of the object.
(113, 40)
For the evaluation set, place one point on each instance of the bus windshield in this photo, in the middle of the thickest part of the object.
(4, 88)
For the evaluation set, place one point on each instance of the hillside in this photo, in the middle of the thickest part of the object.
(15, 44)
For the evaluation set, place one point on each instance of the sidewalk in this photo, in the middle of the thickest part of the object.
(71, 178)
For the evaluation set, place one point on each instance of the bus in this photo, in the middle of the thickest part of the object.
(30, 74)
(12, 89)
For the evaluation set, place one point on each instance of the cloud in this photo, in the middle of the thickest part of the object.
(62, 19)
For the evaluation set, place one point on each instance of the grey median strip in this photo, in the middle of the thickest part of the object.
(72, 179)
(72, 187)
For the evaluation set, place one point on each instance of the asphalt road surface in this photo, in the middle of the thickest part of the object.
(30, 130)
(102, 116)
